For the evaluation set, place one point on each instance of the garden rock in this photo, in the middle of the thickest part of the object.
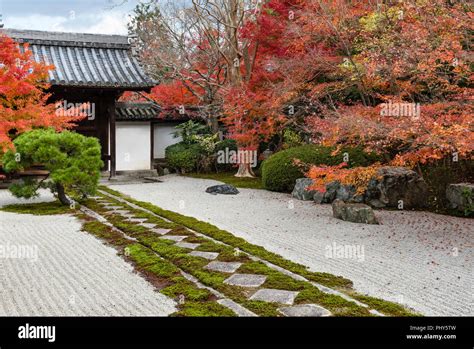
(301, 191)
(353, 212)
(460, 196)
(225, 189)
(391, 186)
(398, 184)
(318, 197)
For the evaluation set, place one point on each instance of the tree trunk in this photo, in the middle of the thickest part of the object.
(62, 195)
(245, 170)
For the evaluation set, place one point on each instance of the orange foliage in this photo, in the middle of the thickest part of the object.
(23, 102)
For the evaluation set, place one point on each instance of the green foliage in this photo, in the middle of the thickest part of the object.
(279, 173)
(183, 157)
(73, 161)
(189, 129)
(292, 139)
(38, 209)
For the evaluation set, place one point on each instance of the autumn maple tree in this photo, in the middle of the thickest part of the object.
(393, 78)
(23, 101)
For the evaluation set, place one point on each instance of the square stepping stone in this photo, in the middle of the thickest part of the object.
(174, 237)
(113, 207)
(160, 231)
(305, 310)
(136, 220)
(120, 212)
(246, 280)
(187, 245)
(274, 296)
(202, 254)
(148, 225)
(224, 267)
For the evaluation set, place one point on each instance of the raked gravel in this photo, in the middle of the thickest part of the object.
(421, 259)
(74, 273)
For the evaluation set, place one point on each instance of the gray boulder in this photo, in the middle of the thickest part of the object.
(460, 196)
(353, 212)
(336, 190)
(301, 191)
(225, 189)
(394, 184)
(318, 197)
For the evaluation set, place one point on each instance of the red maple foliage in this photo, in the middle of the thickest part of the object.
(23, 101)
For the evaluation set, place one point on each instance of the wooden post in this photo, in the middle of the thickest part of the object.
(152, 144)
(112, 134)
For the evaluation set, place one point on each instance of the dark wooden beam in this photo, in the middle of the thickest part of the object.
(152, 144)
(112, 134)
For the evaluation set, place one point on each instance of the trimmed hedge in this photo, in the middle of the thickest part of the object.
(183, 157)
(280, 174)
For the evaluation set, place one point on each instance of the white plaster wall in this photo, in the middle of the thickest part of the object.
(163, 138)
(133, 146)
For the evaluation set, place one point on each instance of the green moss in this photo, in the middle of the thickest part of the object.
(197, 301)
(337, 305)
(262, 308)
(385, 307)
(105, 232)
(183, 287)
(195, 266)
(229, 178)
(281, 281)
(40, 209)
(236, 242)
(146, 259)
(196, 309)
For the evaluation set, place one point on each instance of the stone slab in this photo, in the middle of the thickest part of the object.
(224, 267)
(136, 220)
(174, 237)
(246, 280)
(274, 296)
(160, 231)
(113, 207)
(148, 225)
(189, 245)
(305, 310)
(208, 255)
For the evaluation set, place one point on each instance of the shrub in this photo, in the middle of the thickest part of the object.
(183, 157)
(279, 173)
(73, 162)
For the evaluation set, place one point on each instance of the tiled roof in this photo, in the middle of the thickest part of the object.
(128, 111)
(144, 111)
(85, 60)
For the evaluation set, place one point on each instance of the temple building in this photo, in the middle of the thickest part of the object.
(98, 69)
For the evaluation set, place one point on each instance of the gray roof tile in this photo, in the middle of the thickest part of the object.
(85, 60)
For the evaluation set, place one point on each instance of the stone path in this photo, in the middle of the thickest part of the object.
(70, 273)
(249, 281)
(419, 259)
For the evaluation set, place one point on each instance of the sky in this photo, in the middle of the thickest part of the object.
(82, 16)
